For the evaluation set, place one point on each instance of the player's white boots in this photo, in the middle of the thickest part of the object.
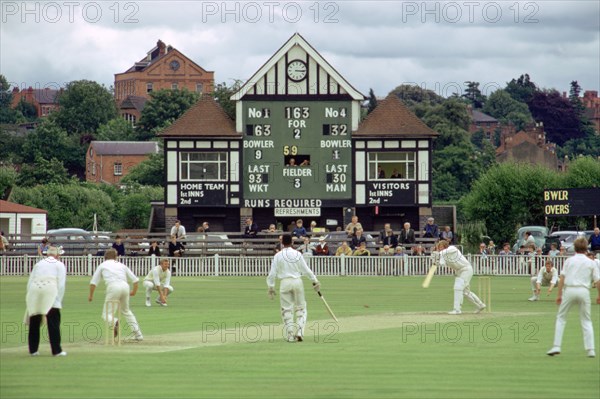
(458, 299)
(534, 298)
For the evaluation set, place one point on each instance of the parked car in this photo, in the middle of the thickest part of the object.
(76, 242)
(210, 244)
(539, 233)
(568, 237)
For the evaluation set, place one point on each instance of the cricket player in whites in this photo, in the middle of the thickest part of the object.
(159, 278)
(548, 276)
(289, 265)
(451, 256)
(116, 275)
(578, 273)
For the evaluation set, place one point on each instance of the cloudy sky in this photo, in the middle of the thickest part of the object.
(374, 44)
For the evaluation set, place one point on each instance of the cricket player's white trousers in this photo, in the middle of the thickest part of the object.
(119, 291)
(462, 289)
(575, 296)
(291, 296)
(149, 285)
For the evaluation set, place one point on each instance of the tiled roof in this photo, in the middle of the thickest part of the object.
(124, 147)
(11, 207)
(133, 102)
(393, 118)
(478, 116)
(205, 118)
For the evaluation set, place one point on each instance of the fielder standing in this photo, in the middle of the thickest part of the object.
(45, 291)
(159, 279)
(289, 265)
(116, 275)
(546, 277)
(453, 258)
(577, 274)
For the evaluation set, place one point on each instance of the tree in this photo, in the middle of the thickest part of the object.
(587, 146)
(508, 195)
(150, 172)
(223, 93)
(507, 110)
(117, 129)
(413, 94)
(49, 141)
(372, 101)
(7, 114)
(8, 178)
(521, 89)
(473, 94)
(42, 172)
(451, 111)
(560, 119)
(84, 106)
(163, 108)
(26, 109)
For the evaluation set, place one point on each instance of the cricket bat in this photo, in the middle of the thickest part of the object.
(430, 274)
(326, 305)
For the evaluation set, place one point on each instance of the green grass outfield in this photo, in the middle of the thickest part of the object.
(220, 337)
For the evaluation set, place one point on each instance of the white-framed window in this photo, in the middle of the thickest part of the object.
(203, 165)
(118, 168)
(149, 87)
(174, 86)
(392, 165)
(199, 88)
(93, 168)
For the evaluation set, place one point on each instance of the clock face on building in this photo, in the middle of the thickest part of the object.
(296, 70)
(174, 65)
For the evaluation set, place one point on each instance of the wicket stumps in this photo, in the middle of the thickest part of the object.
(112, 310)
(484, 285)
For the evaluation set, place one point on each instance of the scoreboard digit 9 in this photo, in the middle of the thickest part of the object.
(297, 150)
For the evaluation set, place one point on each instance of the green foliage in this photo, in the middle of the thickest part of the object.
(42, 171)
(150, 172)
(587, 146)
(412, 95)
(8, 178)
(26, 109)
(583, 172)
(11, 146)
(7, 114)
(49, 141)
(135, 211)
(473, 94)
(470, 235)
(452, 111)
(84, 106)
(223, 93)
(503, 107)
(117, 129)
(68, 205)
(164, 107)
(521, 89)
(372, 101)
(508, 195)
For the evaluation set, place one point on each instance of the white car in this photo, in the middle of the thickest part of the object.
(567, 238)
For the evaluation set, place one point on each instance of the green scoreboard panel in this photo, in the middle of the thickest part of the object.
(297, 150)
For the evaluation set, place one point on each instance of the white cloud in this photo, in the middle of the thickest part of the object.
(373, 44)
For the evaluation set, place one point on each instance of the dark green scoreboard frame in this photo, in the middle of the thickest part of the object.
(315, 134)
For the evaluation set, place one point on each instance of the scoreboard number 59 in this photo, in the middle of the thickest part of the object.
(290, 150)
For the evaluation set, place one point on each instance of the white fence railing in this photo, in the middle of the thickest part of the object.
(322, 265)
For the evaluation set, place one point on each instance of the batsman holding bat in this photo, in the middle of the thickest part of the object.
(451, 256)
(289, 265)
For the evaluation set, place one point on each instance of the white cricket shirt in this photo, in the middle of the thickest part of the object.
(454, 259)
(112, 271)
(288, 263)
(580, 271)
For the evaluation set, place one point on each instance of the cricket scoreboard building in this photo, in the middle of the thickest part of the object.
(298, 149)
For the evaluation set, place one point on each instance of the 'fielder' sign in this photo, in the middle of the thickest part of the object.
(572, 202)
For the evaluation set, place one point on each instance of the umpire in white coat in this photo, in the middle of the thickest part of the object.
(45, 291)
(289, 265)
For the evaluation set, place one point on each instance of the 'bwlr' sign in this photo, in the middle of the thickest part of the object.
(572, 202)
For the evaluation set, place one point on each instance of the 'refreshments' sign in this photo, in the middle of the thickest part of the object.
(572, 202)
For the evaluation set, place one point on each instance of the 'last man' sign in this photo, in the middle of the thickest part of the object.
(572, 202)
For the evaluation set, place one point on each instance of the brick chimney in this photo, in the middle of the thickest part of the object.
(162, 48)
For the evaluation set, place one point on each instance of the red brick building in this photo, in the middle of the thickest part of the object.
(163, 67)
(592, 108)
(45, 100)
(109, 161)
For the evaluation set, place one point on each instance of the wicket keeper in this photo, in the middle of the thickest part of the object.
(159, 278)
(452, 257)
